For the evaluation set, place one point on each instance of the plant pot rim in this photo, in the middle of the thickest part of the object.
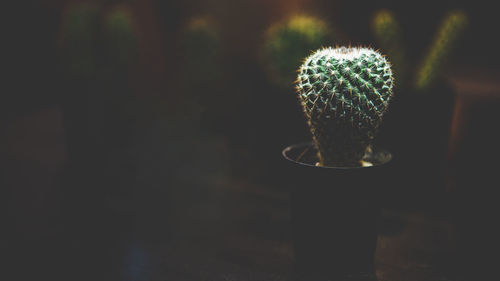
(383, 154)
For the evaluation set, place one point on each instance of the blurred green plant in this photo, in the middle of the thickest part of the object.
(387, 32)
(202, 51)
(344, 93)
(450, 30)
(286, 43)
(97, 45)
(99, 48)
(121, 39)
(78, 40)
(202, 71)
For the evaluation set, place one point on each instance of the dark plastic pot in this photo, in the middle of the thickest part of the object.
(334, 214)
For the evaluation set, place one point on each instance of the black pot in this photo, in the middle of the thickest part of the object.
(334, 214)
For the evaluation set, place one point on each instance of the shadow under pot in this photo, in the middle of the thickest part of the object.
(334, 214)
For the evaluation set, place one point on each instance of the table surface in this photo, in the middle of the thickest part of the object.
(159, 222)
(237, 231)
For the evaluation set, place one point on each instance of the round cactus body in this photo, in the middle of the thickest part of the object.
(344, 93)
(287, 43)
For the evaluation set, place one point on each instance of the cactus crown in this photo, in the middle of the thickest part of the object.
(344, 93)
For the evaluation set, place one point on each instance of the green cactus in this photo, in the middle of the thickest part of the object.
(287, 43)
(445, 40)
(388, 34)
(79, 26)
(344, 93)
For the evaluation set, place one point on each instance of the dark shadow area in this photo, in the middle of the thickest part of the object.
(142, 140)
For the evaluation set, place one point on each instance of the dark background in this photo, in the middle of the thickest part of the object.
(176, 194)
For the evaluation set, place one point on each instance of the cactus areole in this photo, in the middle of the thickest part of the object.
(344, 93)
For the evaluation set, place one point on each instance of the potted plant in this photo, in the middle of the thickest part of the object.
(423, 113)
(335, 180)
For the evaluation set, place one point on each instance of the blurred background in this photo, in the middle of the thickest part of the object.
(141, 140)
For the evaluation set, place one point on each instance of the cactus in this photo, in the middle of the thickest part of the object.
(446, 38)
(344, 93)
(287, 43)
(388, 34)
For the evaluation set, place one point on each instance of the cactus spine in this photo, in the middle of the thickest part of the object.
(344, 93)
(447, 36)
(287, 43)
